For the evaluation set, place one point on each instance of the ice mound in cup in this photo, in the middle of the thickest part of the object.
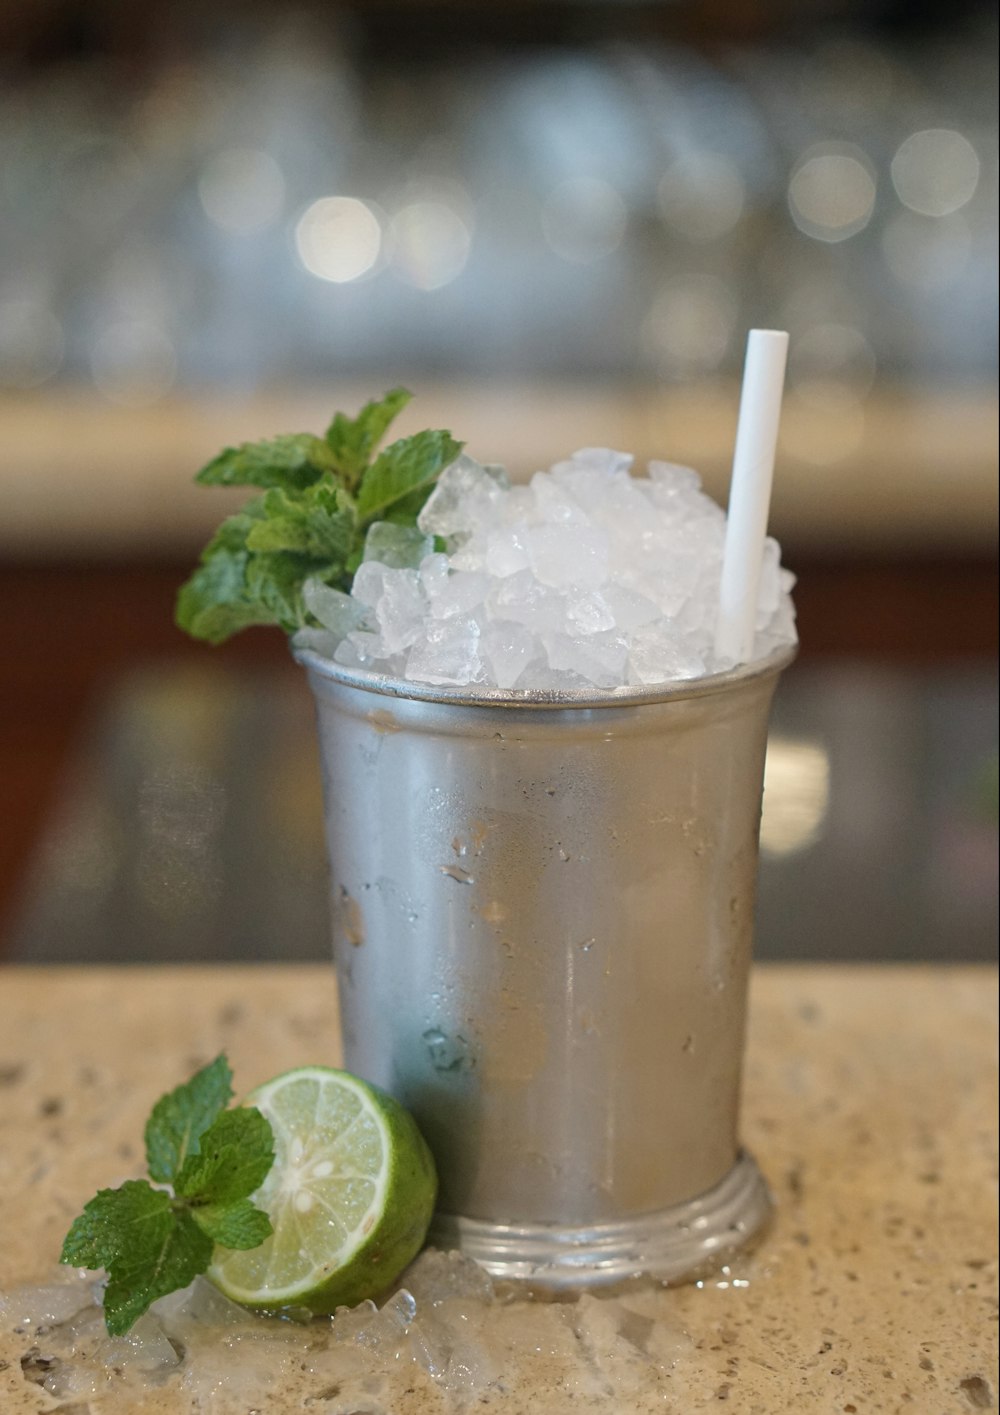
(586, 577)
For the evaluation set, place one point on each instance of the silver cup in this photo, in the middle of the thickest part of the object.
(542, 926)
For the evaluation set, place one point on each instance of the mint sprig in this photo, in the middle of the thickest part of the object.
(152, 1241)
(320, 495)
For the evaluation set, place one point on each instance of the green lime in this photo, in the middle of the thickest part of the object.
(350, 1195)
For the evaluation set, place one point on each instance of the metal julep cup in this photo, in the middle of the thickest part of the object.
(542, 924)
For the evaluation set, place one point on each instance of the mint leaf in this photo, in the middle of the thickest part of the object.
(295, 460)
(254, 567)
(237, 1225)
(151, 1242)
(146, 1248)
(233, 532)
(320, 496)
(213, 602)
(217, 622)
(405, 511)
(353, 440)
(319, 522)
(135, 1217)
(173, 1253)
(403, 473)
(180, 1118)
(233, 1160)
(274, 581)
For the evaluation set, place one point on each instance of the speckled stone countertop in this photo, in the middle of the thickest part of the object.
(870, 1101)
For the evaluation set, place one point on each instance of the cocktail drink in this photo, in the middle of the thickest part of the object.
(542, 930)
(543, 789)
(542, 716)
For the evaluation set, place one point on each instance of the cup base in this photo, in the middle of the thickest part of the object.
(675, 1245)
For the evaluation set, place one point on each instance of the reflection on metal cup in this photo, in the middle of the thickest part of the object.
(542, 918)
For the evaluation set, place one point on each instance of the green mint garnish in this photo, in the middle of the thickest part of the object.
(320, 495)
(154, 1241)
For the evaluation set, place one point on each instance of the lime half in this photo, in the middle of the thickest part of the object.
(350, 1195)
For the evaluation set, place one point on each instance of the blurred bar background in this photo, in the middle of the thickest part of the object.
(554, 222)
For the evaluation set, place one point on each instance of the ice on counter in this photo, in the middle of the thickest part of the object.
(586, 577)
(446, 1341)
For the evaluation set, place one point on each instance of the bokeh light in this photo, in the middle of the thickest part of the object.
(241, 189)
(430, 244)
(935, 171)
(339, 239)
(701, 196)
(584, 219)
(831, 193)
(548, 196)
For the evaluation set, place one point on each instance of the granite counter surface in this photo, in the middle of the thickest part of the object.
(870, 1101)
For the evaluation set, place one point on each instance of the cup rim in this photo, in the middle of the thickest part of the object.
(469, 695)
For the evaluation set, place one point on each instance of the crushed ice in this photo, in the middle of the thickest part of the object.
(446, 1332)
(586, 577)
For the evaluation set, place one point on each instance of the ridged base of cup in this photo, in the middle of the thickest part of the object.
(673, 1245)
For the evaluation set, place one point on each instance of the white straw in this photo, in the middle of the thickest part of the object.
(750, 493)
